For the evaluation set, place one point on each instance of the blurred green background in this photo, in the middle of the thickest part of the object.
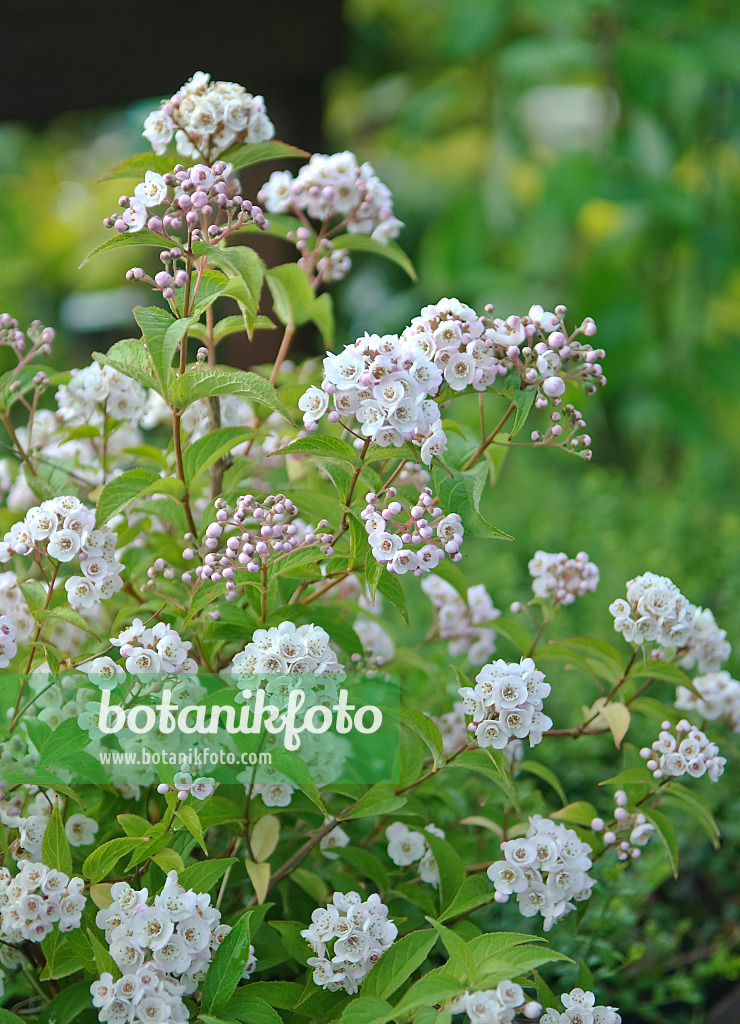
(583, 152)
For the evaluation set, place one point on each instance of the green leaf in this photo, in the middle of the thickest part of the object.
(212, 284)
(196, 384)
(546, 774)
(61, 956)
(451, 868)
(398, 963)
(244, 154)
(379, 799)
(579, 813)
(143, 237)
(65, 614)
(120, 492)
(137, 166)
(131, 358)
(290, 934)
(667, 835)
(65, 741)
(246, 1006)
(189, 818)
(590, 647)
(55, 851)
(474, 892)
(198, 456)
(206, 874)
(65, 1007)
(295, 302)
(366, 864)
(227, 967)
(665, 671)
(324, 447)
(425, 729)
(105, 857)
(103, 960)
(431, 990)
(461, 493)
(677, 795)
(367, 1009)
(6, 1017)
(389, 250)
(460, 961)
(524, 399)
(245, 272)
(162, 337)
(291, 765)
(283, 994)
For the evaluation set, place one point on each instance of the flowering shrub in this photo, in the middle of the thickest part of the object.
(191, 541)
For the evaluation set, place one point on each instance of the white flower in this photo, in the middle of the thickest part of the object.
(80, 830)
(152, 190)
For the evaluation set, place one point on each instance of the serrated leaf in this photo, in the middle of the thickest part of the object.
(128, 238)
(55, 851)
(246, 1006)
(667, 835)
(425, 729)
(137, 166)
(65, 614)
(189, 818)
(295, 302)
(451, 868)
(203, 876)
(524, 400)
(398, 963)
(198, 456)
(103, 960)
(474, 892)
(580, 812)
(196, 384)
(389, 250)
(379, 799)
(163, 335)
(120, 492)
(244, 154)
(131, 358)
(324, 447)
(103, 859)
(461, 493)
(226, 968)
(64, 1008)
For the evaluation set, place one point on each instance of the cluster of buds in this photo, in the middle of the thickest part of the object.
(39, 336)
(635, 823)
(561, 578)
(715, 695)
(693, 755)
(322, 263)
(458, 620)
(184, 786)
(389, 539)
(268, 529)
(192, 198)
(207, 117)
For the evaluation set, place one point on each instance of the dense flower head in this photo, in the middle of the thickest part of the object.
(286, 649)
(495, 1005)
(687, 751)
(255, 533)
(335, 186)
(174, 937)
(423, 524)
(561, 578)
(147, 650)
(715, 695)
(655, 610)
(96, 389)
(581, 1008)
(545, 870)
(506, 702)
(207, 117)
(358, 932)
(64, 529)
(707, 647)
(407, 846)
(458, 620)
(37, 898)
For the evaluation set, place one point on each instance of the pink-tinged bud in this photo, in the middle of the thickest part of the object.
(553, 387)
(597, 824)
(163, 279)
(609, 838)
(512, 352)
(589, 329)
(500, 897)
(120, 225)
(155, 224)
(560, 311)
(182, 795)
(163, 788)
(216, 615)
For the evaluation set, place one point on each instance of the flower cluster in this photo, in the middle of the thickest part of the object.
(264, 529)
(37, 898)
(561, 578)
(98, 390)
(495, 1005)
(360, 932)
(337, 839)
(694, 755)
(458, 621)
(655, 610)
(176, 936)
(546, 870)
(184, 785)
(580, 1008)
(715, 695)
(148, 650)
(8, 637)
(62, 529)
(147, 994)
(506, 702)
(197, 197)
(39, 336)
(207, 117)
(14, 606)
(406, 847)
(286, 649)
(387, 383)
(636, 824)
(389, 539)
(335, 186)
(707, 647)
